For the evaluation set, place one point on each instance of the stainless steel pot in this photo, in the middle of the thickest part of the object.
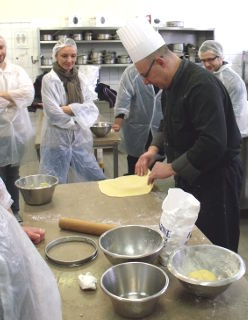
(77, 36)
(88, 36)
(124, 59)
(46, 37)
(179, 24)
(82, 59)
(104, 36)
(61, 36)
(46, 61)
(109, 60)
(177, 47)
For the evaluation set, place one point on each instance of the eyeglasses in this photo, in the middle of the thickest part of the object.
(149, 69)
(209, 59)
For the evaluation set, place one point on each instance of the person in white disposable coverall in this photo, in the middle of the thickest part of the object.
(69, 113)
(138, 112)
(28, 289)
(35, 234)
(16, 93)
(211, 55)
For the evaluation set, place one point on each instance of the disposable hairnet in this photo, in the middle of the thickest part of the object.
(211, 45)
(64, 42)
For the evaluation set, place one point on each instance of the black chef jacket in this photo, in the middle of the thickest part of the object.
(201, 139)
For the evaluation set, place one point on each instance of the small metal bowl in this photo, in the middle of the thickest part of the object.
(101, 129)
(131, 243)
(225, 264)
(37, 189)
(134, 288)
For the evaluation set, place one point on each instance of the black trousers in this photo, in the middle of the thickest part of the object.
(9, 175)
(219, 196)
(131, 161)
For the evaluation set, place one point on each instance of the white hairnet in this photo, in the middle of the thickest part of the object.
(64, 42)
(211, 45)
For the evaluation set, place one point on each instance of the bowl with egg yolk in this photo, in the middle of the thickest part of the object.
(206, 270)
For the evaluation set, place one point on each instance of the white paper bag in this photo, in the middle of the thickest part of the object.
(180, 212)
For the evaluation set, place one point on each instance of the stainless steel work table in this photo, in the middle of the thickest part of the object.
(85, 201)
(110, 141)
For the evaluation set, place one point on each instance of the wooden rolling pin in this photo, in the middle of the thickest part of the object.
(84, 226)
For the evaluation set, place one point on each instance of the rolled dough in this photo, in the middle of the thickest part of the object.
(125, 186)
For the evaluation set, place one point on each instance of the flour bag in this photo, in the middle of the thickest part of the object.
(179, 213)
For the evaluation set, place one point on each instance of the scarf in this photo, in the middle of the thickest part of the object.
(71, 83)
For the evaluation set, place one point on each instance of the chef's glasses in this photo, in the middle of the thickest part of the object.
(149, 69)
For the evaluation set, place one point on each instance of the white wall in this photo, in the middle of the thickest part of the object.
(28, 15)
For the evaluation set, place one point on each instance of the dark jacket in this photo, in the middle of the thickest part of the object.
(199, 131)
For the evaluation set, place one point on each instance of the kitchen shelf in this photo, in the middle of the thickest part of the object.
(104, 65)
(171, 35)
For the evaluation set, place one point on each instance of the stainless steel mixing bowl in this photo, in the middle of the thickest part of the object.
(131, 243)
(225, 264)
(134, 288)
(37, 189)
(101, 129)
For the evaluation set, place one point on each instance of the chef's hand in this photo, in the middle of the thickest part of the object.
(35, 234)
(145, 161)
(117, 124)
(161, 170)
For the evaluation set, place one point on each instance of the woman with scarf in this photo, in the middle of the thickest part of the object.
(69, 112)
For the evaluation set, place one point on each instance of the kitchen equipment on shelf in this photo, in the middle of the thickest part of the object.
(131, 243)
(77, 36)
(177, 48)
(61, 36)
(134, 288)
(124, 59)
(46, 37)
(103, 36)
(37, 189)
(109, 57)
(88, 36)
(82, 59)
(46, 61)
(178, 24)
(96, 57)
(226, 266)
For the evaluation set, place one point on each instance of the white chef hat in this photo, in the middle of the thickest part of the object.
(64, 42)
(140, 39)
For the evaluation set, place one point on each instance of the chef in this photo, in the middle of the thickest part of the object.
(199, 134)
(16, 93)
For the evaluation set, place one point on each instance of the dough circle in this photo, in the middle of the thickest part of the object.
(125, 186)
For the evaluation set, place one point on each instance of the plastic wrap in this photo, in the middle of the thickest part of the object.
(28, 289)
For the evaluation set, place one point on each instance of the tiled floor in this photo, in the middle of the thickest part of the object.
(32, 166)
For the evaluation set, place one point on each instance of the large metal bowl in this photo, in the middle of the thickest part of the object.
(134, 288)
(37, 189)
(225, 264)
(131, 243)
(101, 129)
